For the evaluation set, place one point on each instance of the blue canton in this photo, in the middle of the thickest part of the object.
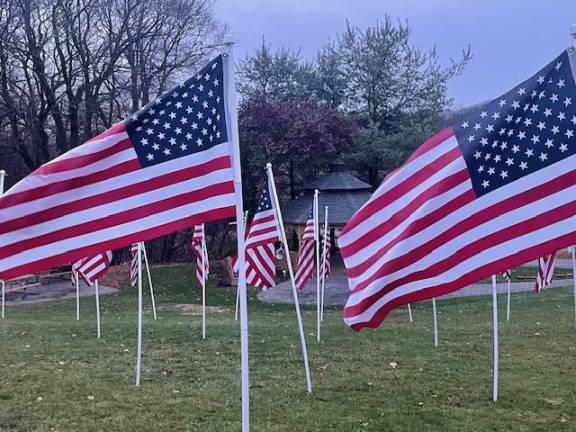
(523, 131)
(188, 119)
(264, 202)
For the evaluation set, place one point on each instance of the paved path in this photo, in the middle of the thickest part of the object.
(52, 291)
(336, 289)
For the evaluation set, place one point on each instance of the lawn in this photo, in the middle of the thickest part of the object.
(56, 376)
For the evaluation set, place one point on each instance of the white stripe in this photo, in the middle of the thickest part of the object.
(128, 179)
(486, 257)
(117, 231)
(115, 207)
(451, 247)
(486, 201)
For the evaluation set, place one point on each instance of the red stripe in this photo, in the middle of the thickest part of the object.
(83, 160)
(149, 234)
(116, 129)
(513, 202)
(116, 195)
(402, 188)
(445, 185)
(108, 221)
(475, 275)
(50, 189)
(523, 227)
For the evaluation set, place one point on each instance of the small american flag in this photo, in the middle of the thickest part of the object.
(326, 249)
(167, 167)
(306, 254)
(488, 194)
(201, 253)
(260, 239)
(545, 274)
(92, 268)
(507, 275)
(134, 264)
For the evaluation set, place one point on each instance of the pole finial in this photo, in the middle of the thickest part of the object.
(2, 172)
(268, 165)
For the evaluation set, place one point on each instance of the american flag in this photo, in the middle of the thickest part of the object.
(488, 194)
(165, 168)
(326, 246)
(507, 274)
(306, 254)
(201, 253)
(92, 268)
(545, 271)
(260, 249)
(134, 264)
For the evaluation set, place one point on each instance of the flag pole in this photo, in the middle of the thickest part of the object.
(204, 276)
(324, 257)
(409, 312)
(231, 103)
(495, 335)
(2, 175)
(574, 279)
(272, 189)
(508, 297)
(77, 280)
(435, 313)
(237, 289)
(317, 245)
(149, 280)
(97, 296)
(139, 341)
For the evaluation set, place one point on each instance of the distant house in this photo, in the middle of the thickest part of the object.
(343, 193)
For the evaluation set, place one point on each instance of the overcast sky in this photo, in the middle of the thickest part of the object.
(510, 39)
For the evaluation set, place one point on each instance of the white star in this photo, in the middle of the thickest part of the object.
(189, 110)
(175, 95)
(178, 131)
(503, 174)
(481, 168)
(195, 98)
(166, 152)
(477, 126)
(161, 135)
(561, 116)
(183, 120)
(543, 156)
(527, 122)
(183, 147)
(485, 184)
(465, 125)
(206, 77)
(194, 125)
(210, 93)
(134, 117)
(503, 145)
(558, 65)
(172, 115)
(139, 128)
(529, 152)
(144, 141)
(205, 104)
(200, 115)
(216, 82)
(149, 131)
(497, 158)
(515, 104)
(496, 115)
(218, 134)
(188, 136)
(541, 94)
(178, 104)
(484, 141)
(199, 141)
(155, 121)
(204, 131)
(491, 171)
(487, 156)
(521, 91)
(573, 120)
(201, 87)
(502, 102)
(523, 166)
(515, 148)
(547, 112)
(569, 133)
(156, 146)
(563, 147)
(477, 155)
(534, 108)
(521, 135)
(540, 79)
(509, 118)
(209, 121)
(535, 139)
(555, 129)
(470, 138)
(549, 143)
(554, 97)
(151, 111)
(162, 112)
(567, 101)
(541, 125)
(561, 83)
(172, 141)
(166, 125)
(509, 161)
(150, 156)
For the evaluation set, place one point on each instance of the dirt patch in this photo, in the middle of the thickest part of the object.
(195, 309)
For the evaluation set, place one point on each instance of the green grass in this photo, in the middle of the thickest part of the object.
(56, 376)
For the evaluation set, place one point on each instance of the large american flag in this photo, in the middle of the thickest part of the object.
(92, 268)
(200, 251)
(488, 194)
(260, 239)
(545, 274)
(166, 167)
(306, 253)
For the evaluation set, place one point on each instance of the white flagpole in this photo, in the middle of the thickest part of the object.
(409, 312)
(139, 342)
(231, 104)
(149, 280)
(317, 246)
(508, 298)
(77, 280)
(324, 262)
(574, 279)
(2, 175)
(237, 288)
(205, 275)
(97, 295)
(272, 189)
(495, 334)
(435, 313)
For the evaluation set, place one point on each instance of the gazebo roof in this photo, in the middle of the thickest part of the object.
(337, 181)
